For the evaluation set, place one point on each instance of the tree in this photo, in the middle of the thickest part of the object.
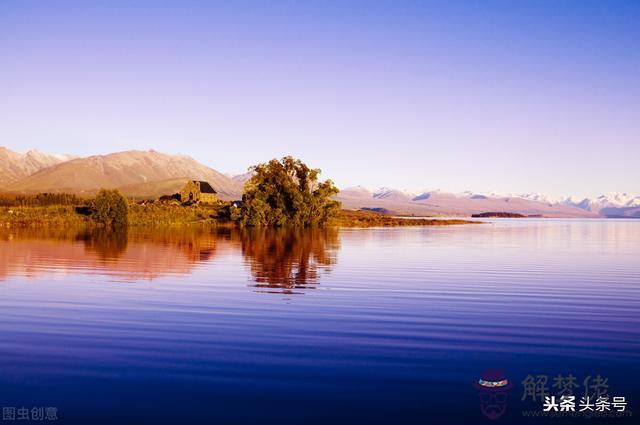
(110, 208)
(287, 192)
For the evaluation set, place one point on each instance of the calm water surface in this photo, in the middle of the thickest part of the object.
(370, 326)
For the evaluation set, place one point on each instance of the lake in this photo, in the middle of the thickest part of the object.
(359, 326)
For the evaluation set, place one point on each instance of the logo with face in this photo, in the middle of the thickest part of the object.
(493, 392)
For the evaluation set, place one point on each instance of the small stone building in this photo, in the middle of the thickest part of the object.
(198, 191)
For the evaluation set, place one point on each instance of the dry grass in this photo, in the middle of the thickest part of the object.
(167, 214)
(148, 215)
(175, 215)
(371, 219)
(60, 215)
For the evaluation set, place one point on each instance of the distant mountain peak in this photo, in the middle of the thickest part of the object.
(437, 201)
(609, 200)
(15, 166)
(134, 169)
(387, 192)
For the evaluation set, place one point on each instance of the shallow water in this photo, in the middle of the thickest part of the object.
(389, 325)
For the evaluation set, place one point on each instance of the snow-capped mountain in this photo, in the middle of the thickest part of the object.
(469, 202)
(15, 166)
(619, 199)
(438, 202)
(396, 194)
(611, 199)
(612, 204)
(539, 197)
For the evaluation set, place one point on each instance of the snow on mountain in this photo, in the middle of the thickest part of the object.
(539, 197)
(45, 158)
(388, 193)
(15, 166)
(608, 200)
(619, 199)
(437, 202)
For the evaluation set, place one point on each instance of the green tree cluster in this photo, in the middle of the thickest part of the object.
(287, 192)
(41, 199)
(110, 208)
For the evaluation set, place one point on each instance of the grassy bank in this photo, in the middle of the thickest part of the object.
(38, 216)
(173, 215)
(372, 219)
(140, 215)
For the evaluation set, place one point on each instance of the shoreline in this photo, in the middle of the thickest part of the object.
(174, 216)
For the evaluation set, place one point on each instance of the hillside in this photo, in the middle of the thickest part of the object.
(15, 166)
(137, 172)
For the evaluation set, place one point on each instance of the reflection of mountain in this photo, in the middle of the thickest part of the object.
(283, 260)
(132, 256)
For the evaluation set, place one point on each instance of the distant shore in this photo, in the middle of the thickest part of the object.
(503, 214)
(348, 218)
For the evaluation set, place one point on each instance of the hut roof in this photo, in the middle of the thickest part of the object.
(205, 187)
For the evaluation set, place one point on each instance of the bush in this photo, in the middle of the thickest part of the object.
(110, 208)
(229, 212)
(287, 192)
(169, 198)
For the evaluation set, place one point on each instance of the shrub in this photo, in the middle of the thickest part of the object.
(169, 198)
(110, 208)
(287, 192)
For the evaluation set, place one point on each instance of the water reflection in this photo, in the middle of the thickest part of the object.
(413, 315)
(283, 260)
(106, 244)
(278, 260)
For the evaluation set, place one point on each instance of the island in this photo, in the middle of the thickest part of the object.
(501, 214)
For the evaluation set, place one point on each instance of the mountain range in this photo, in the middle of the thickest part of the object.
(16, 166)
(149, 174)
(135, 173)
(439, 202)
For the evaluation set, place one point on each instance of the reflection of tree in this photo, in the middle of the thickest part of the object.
(288, 258)
(281, 260)
(107, 244)
(196, 244)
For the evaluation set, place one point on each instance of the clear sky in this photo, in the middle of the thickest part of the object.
(512, 96)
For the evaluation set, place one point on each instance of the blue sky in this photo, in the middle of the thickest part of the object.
(459, 95)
